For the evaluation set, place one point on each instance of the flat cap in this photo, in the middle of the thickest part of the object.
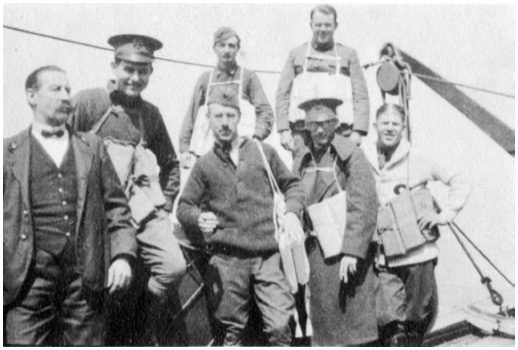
(225, 96)
(320, 109)
(134, 48)
(223, 34)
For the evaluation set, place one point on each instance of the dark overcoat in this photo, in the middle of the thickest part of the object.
(343, 314)
(103, 229)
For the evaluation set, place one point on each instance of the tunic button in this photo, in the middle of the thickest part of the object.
(67, 234)
(65, 217)
(64, 202)
(60, 175)
(25, 213)
(60, 190)
(24, 237)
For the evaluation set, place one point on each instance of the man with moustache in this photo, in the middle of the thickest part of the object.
(257, 114)
(128, 123)
(302, 75)
(228, 204)
(406, 294)
(66, 225)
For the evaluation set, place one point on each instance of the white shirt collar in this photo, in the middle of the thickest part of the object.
(38, 127)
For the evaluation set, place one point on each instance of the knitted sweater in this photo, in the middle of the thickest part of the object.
(240, 196)
(421, 170)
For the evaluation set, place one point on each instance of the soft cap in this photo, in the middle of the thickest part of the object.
(223, 34)
(225, 96)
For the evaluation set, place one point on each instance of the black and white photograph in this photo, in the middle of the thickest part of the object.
(253, 174)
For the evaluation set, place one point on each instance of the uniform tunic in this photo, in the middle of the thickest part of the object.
(252, 91)
(342, 314)
(93, 103)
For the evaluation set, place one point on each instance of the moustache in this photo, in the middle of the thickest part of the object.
(66, 108)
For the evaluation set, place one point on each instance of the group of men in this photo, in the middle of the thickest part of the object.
(89, 188)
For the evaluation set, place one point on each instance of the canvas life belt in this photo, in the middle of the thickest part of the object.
(202, 138)
(310, 85)
(398, 225)
(137, 168)
(294, 259)
(329, 217)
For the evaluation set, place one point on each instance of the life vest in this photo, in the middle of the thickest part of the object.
(137, 168)
(202, 138)
(310, 85)
(329, 216)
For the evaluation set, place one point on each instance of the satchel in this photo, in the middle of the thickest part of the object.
(398, 222)
(293, 253)
(329, 219)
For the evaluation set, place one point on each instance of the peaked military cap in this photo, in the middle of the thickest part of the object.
(135, 48)
(223, 34)
(225, 96)
(320, 109)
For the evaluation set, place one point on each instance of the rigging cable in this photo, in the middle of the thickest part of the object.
(255, 70)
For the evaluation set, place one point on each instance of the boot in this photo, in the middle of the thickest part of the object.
(154, 319)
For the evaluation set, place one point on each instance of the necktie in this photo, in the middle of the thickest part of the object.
(48, 134)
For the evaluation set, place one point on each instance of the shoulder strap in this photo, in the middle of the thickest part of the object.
(101, 121)
(304, 70)
(336, 177)
(241, 79)
(337, 60)
(271, 178)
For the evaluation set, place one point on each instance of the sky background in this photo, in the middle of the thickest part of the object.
(470, 44)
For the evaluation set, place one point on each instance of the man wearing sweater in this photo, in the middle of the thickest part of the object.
(407, 290)
(228, 203)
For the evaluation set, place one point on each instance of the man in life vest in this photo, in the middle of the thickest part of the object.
(406, 295)
(319, 68)
(257, 118)
(138, 143)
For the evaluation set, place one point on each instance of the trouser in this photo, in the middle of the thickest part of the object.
(406, 302)
(160, 253)
(54, 308)
(233, 281)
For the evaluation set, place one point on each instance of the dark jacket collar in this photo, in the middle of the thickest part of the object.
(119, 98)
(342, 147)
(230, 70)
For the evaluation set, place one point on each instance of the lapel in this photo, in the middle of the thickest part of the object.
(83, 155)
(20, 161)
(400, 154)
(371, 152)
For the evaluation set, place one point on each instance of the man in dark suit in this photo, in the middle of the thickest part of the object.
(67, 230)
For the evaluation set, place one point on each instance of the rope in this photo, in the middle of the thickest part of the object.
(188, 63)
(109, 49)
(496, 297)
(422, 76)
(427, 77)
(483, 255)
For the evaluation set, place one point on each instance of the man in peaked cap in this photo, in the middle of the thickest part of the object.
(228, 204)
(128, 123)
(342, 287)
(257, 114)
